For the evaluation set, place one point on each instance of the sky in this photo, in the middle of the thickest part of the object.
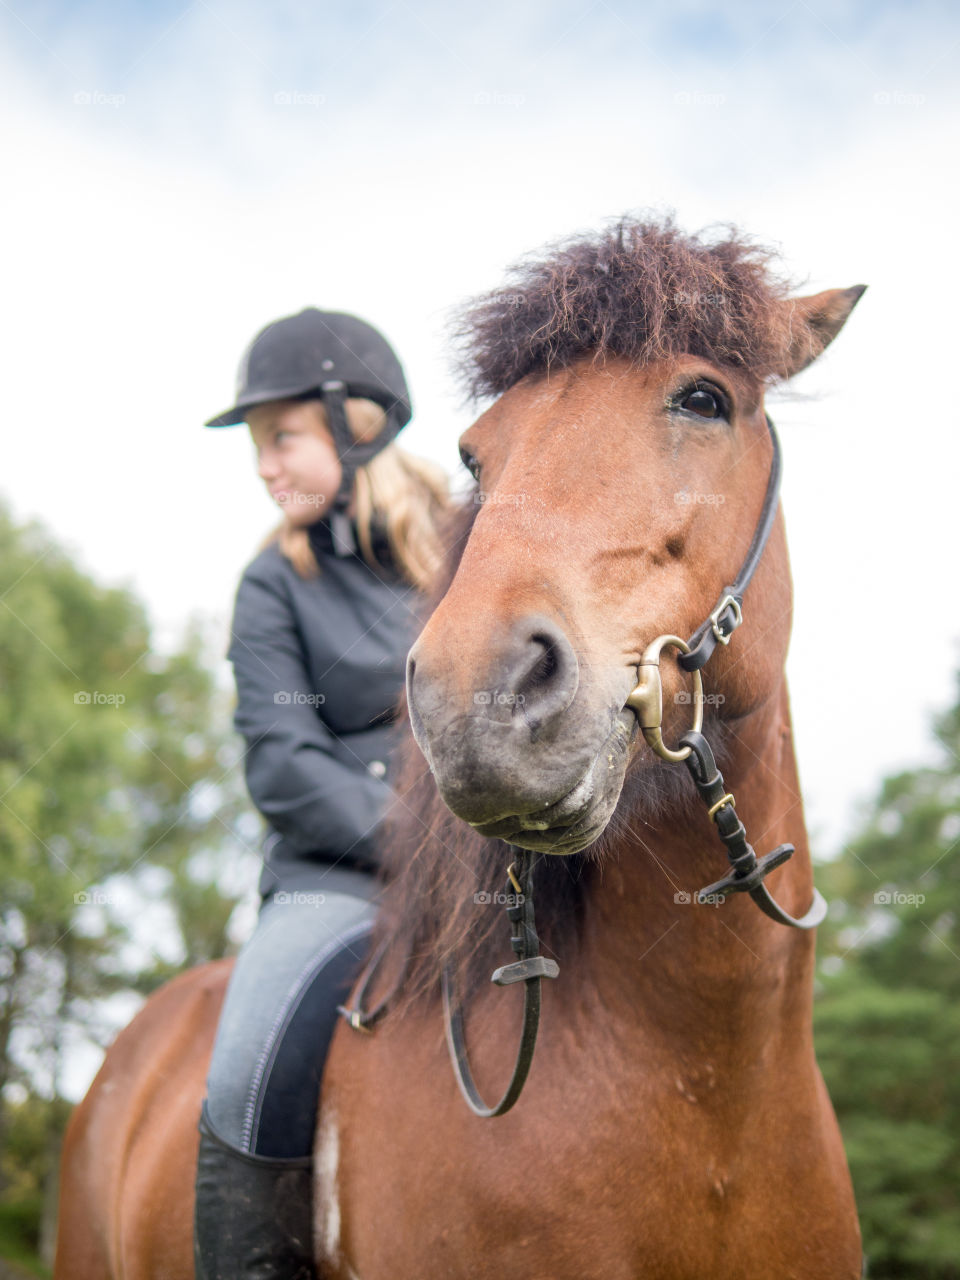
(176, 175)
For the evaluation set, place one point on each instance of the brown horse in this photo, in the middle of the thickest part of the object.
(674, 1123)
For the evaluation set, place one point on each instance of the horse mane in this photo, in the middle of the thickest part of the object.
(641, 290)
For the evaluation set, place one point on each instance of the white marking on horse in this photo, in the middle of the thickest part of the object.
(327, 1161)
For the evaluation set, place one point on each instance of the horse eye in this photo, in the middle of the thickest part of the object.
(704, 403)
(470, 462)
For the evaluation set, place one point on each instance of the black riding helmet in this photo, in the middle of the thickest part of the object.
(333, 356)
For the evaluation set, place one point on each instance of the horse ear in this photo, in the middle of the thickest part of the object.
(814, 322)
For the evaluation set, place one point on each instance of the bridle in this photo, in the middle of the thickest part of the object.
(746, 874)
(747, 871)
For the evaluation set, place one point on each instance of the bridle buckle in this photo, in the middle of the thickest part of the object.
(724, 636)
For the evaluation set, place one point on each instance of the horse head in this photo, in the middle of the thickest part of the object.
(620, 476)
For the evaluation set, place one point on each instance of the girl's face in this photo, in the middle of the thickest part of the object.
(296, 457)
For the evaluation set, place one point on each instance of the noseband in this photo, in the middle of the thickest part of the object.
(747, 871)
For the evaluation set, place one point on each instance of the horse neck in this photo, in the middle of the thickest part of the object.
(690, 968)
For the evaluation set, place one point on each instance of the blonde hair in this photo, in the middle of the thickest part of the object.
(405, 494)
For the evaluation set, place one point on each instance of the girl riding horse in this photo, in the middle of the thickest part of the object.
(323, 619)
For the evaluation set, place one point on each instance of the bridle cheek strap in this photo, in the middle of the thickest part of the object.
(728, 614)
(747, 871)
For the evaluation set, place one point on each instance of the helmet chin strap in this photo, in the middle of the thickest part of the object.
(353, 454)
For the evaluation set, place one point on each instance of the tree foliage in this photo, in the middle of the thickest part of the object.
(888, 1015)
(122, 812)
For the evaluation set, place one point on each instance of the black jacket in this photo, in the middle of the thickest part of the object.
(319, 666)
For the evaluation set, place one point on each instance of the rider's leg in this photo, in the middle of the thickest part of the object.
(253, 1207)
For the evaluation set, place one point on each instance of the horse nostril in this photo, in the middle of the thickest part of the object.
(411, 671)
(548, 662)
(413, 708)
(531, 681)
(545, 675)
(535, 685)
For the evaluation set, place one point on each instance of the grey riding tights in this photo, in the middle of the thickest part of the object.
(280, 1013)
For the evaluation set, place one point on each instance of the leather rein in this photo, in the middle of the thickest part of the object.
(746, 872)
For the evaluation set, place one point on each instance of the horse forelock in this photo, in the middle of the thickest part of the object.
(642, 290)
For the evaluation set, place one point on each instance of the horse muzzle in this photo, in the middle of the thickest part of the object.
(532, 752)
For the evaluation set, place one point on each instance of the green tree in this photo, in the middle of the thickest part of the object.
(122, 809)
(888, 1015)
